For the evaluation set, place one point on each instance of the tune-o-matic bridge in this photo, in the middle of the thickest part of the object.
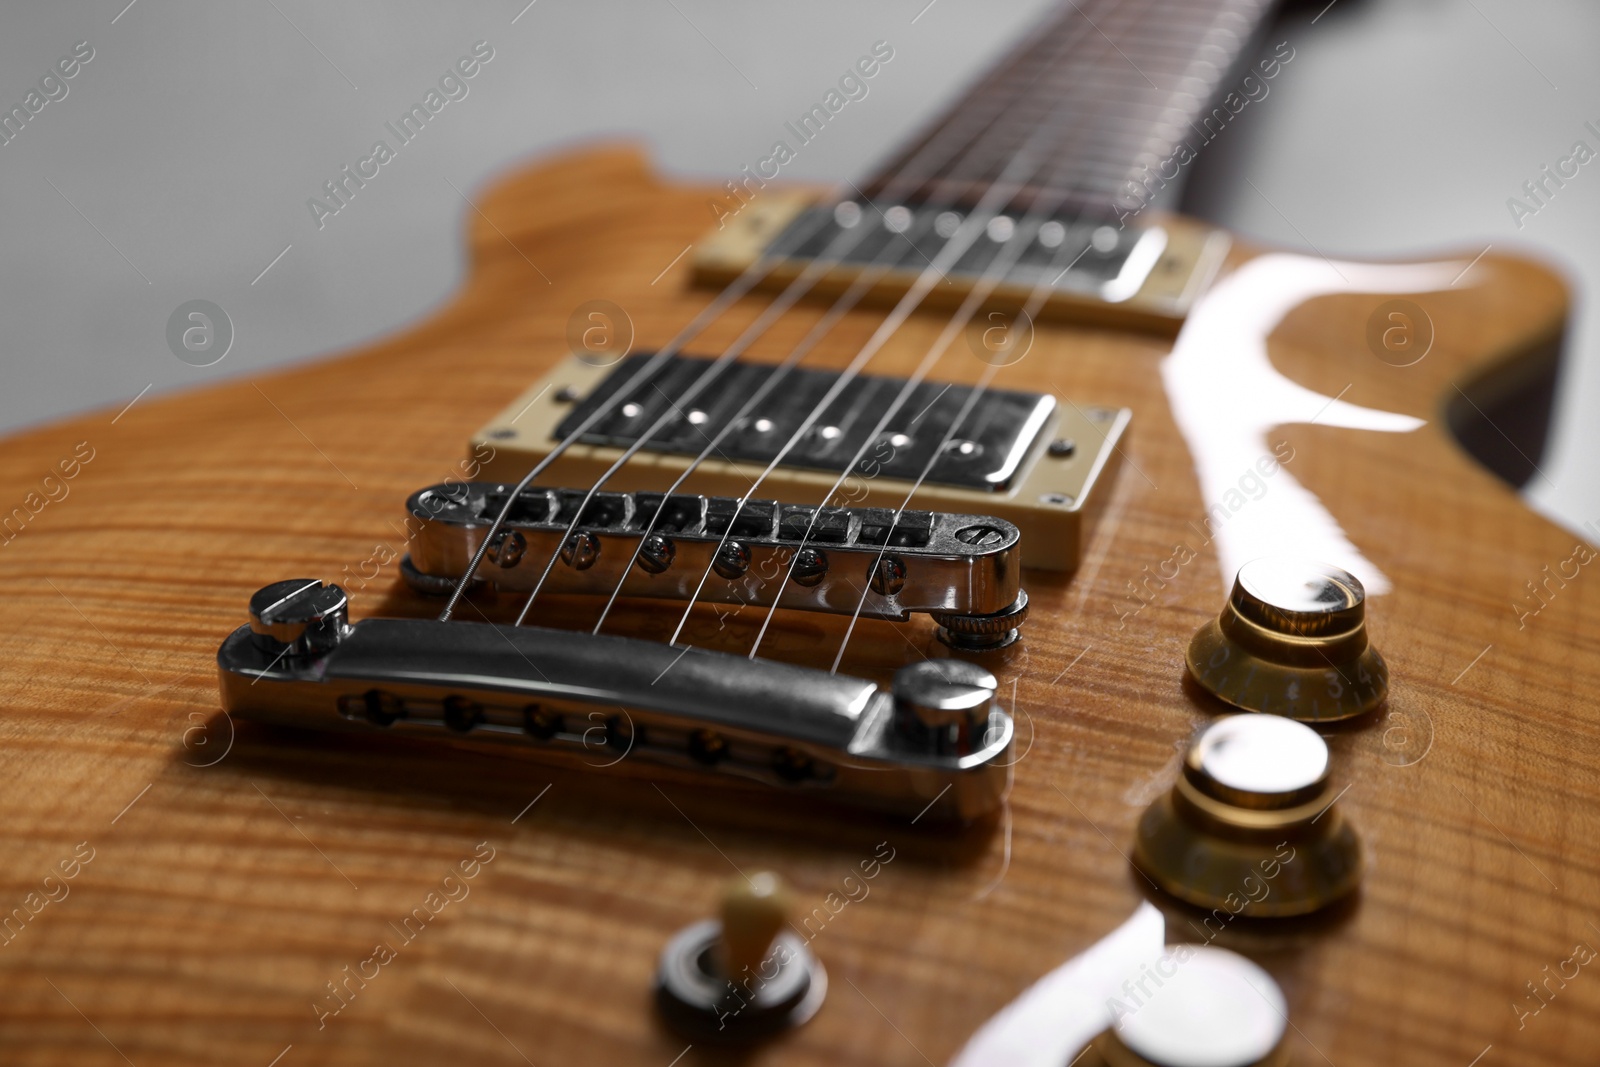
(964, 569)
(934, 742)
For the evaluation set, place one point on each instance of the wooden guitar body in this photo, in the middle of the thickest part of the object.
(229, 879)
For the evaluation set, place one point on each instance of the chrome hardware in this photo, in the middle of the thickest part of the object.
(298, 617)
(983, 633)
(593, 700)
(965, 568)
(944, 704)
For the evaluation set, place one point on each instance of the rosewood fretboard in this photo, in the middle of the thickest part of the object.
(1121, 84)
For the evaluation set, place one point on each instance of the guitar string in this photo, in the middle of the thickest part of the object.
(718, 365)
(1036, 301)
(739, 287)
(866, 354)
(864, 281)
(935, 353)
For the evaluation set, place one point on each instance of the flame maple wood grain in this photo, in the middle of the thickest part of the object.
(221, 900)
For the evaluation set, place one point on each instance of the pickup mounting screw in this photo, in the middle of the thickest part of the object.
(566, 395)
(1063, 447)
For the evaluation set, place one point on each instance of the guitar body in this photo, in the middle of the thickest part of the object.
(237, 870)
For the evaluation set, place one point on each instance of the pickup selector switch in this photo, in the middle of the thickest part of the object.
(743, 976)
(1292, 641)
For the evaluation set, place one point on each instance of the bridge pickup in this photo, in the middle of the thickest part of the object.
(1040, 464)
(591, 701)
(986, 453)
(956, 567)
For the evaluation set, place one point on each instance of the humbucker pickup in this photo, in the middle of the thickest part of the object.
(963, 569)
(1146, 275)
(1041, 463)
(933, 743)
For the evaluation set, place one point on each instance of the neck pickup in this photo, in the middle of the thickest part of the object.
(1141, 272)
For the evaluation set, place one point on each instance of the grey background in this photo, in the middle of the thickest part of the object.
(179, 164)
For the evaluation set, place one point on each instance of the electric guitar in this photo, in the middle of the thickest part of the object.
(914, 541)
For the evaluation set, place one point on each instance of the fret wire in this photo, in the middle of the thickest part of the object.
(1015, 77)
(1163, 48)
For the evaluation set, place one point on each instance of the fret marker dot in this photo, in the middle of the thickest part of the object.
(947, 224)
(763, 426)
(897, 219)
(696, 418)
(847, 214)
(1000, 228)
(631, 411)
(1104, 239)
(1051, 234)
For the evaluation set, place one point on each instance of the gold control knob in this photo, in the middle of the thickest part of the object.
(743, 976)
(1292, 641)
(1196, 1006)
(1250, 828)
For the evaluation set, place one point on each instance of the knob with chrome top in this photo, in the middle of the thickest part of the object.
(298, 617)
(1195, 1006)
(1292, 641)
(1250, 827)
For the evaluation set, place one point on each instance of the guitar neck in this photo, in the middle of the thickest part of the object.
(1108, 93)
